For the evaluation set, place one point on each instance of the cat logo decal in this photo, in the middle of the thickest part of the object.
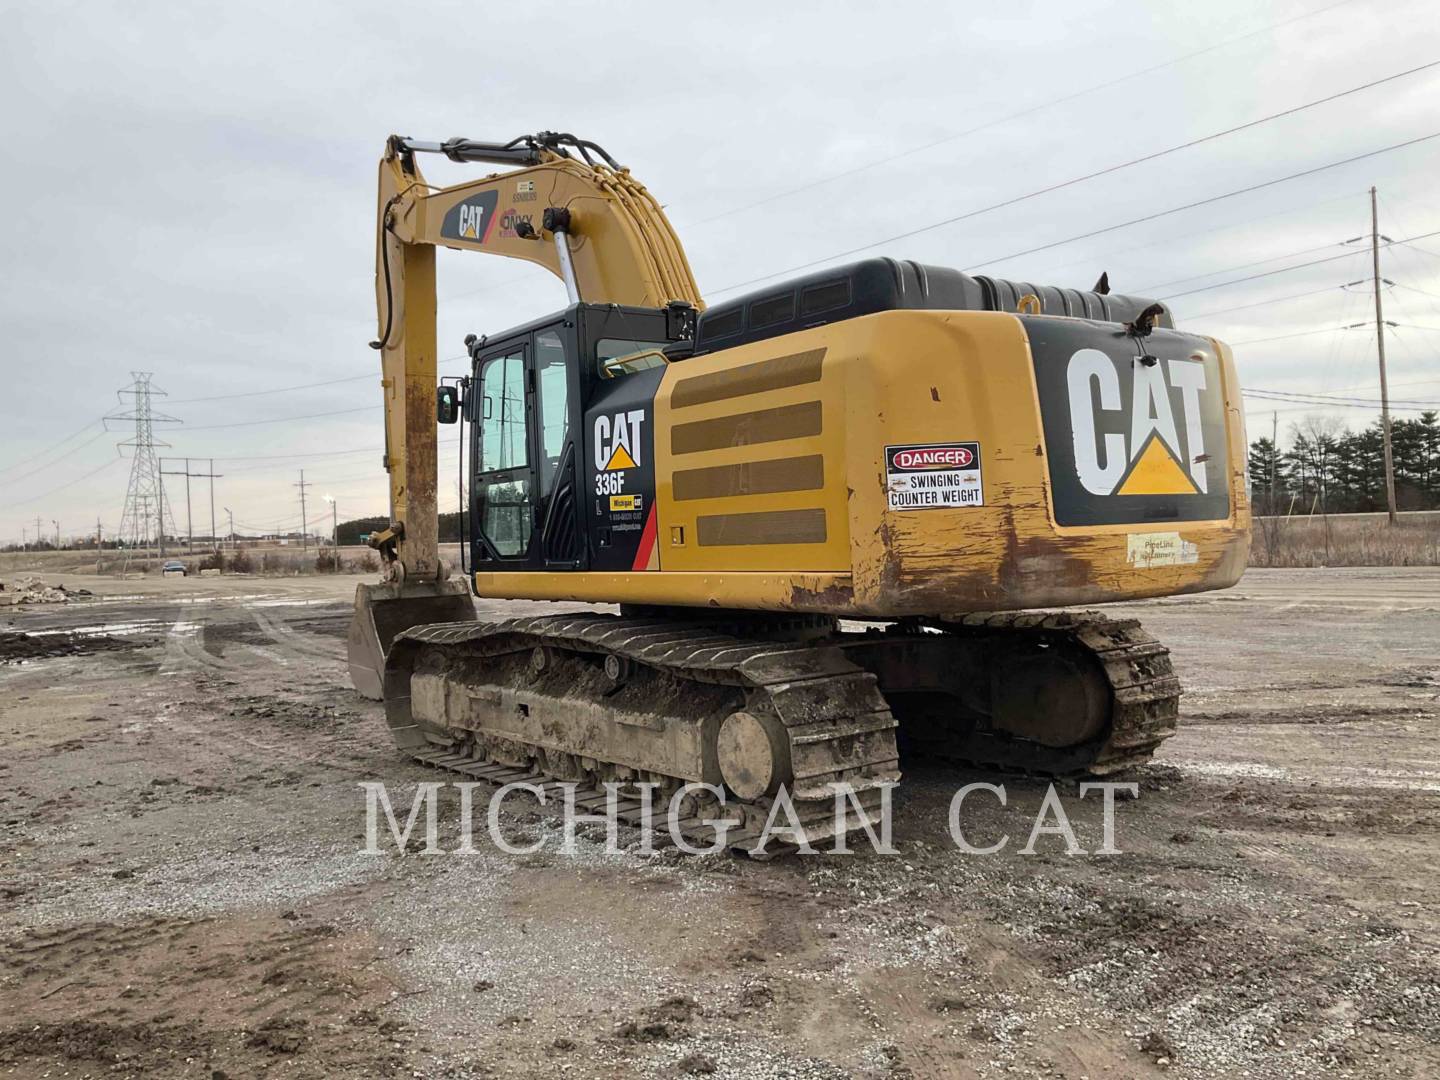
(1161, 450)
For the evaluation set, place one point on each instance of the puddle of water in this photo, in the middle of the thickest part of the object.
(120, 629)
(1251, 769)
(296, 601)
(1417, 780)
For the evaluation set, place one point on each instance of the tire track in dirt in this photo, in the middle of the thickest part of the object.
(292, 641)
(195, 711)
(170, 987)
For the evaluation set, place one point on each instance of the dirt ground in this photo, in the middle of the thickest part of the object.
(184, 891)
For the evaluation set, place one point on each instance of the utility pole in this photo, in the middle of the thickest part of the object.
(189, 521)
(334, 532)
(57, 533)
(189, 532)
(39, 536)
(304, 524)
(1380, 340)
(98, 544)
(231, 516)
(214, 536)
(1274, 455)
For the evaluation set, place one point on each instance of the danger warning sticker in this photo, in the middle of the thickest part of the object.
(933, 476)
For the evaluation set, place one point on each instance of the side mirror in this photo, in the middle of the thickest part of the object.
(447, 404)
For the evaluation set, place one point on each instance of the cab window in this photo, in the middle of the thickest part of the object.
(503, 494)
(607, 349)
(553, 380)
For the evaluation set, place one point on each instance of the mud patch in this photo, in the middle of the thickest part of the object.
(217, 637)
(18, 647)
(333, 626)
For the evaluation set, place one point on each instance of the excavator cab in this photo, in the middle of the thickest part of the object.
(533, 393)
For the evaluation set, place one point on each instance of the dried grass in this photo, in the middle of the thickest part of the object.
(1346, 540)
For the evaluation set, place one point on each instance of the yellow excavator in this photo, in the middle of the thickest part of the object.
(831, 511)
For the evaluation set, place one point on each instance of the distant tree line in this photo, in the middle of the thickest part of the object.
(1331, 469)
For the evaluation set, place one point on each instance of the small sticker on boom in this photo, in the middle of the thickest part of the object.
(624, 502)
(933, 476)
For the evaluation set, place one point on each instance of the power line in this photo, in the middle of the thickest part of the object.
(1267, 303)
(1332, 397)
(1369, 403)
(281, 419)
(1412, 288)
(1102, 257)
(1300, 404)
(55, 446)
(1213, 199)
(283, 462)
(1011, 117)
(67, 484)
(1153, 287)
(321, 453)
(1301, 333)
(288, 389)
(1417, 247)
(1257, 277)
(1283, 269)
(68, 453)
(1102, 172)
(1402, 382)
(277, 390)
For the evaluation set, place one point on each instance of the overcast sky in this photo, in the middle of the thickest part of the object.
(191, 192)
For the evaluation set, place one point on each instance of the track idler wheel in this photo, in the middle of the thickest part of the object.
(754, 755)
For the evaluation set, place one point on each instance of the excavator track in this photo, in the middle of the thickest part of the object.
(594, 698)
(587, 699)
(1144, 691)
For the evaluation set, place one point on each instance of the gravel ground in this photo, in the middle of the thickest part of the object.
(185, 893)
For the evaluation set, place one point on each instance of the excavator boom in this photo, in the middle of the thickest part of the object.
(569, 208)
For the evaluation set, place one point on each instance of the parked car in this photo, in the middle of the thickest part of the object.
(174, 566)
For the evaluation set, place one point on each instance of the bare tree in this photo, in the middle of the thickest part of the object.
(1316, 439)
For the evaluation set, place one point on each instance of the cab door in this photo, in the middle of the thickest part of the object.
(524, 506)
(503, 490)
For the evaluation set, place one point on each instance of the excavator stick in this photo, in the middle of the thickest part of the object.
(385, 610)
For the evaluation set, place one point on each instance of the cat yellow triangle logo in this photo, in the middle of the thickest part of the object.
(1156, 472)
(620, 459)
